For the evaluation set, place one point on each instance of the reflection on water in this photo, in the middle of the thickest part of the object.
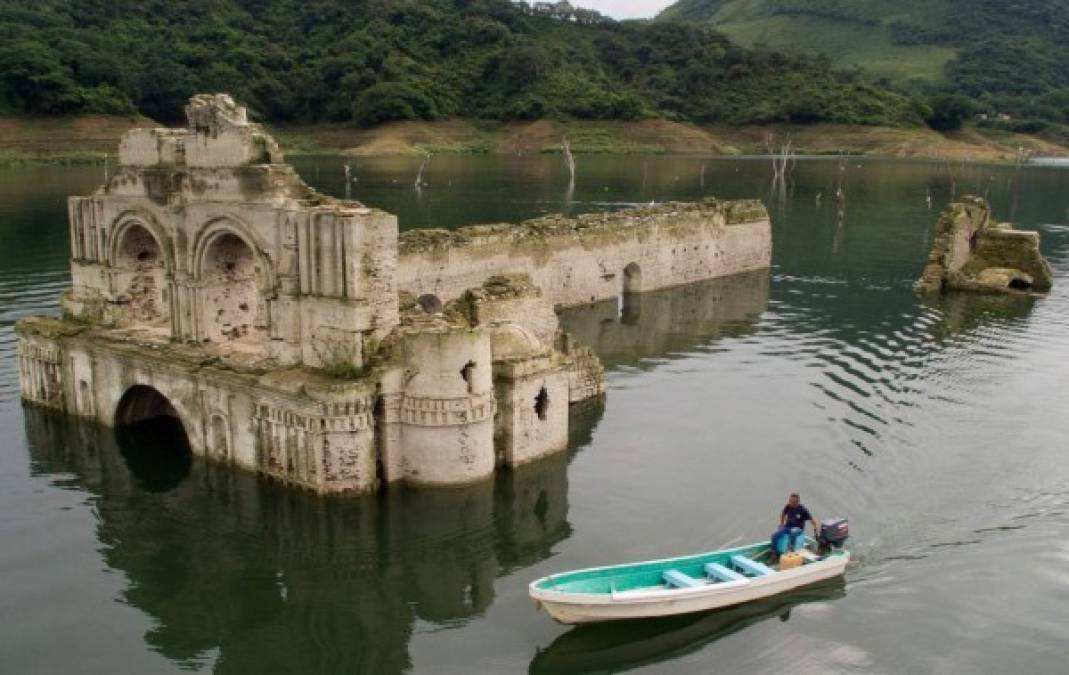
(937, 426)
(281, 580)
(670, 321)
(613, 648)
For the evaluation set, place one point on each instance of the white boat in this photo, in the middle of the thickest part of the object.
(695, 583)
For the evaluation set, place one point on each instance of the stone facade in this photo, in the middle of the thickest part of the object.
(973, 252)
(301, 337)
(595, 256)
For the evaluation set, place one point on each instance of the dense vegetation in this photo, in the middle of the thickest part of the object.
(1008, 56)
(370, 61)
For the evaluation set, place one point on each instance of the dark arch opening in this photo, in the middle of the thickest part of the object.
(152, 440)
(1020, 284)
(632, 285)
(541, 405)
(430, 304)
(632, 278)
(467, 373)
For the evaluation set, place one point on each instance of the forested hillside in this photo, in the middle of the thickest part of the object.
(370, 61)
(1009, 56)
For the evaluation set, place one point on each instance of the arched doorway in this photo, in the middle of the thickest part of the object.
(628, 297)
(142, 277)
(234, 311)
(632, 278)
(152, 439)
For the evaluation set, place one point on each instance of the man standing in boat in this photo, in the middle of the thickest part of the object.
(792, 522)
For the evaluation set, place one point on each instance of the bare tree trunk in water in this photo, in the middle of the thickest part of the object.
(422, 168)
(569, 159)
(782, 162)
(840, 206)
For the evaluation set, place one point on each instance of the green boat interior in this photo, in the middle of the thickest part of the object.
(705, 569)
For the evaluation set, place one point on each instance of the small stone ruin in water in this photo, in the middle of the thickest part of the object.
(973, 252)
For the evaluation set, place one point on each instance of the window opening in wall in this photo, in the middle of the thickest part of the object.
(431, 304)
(541, 405)
(468, 374)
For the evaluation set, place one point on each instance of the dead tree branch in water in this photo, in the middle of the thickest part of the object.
(1022, 158)
(840, 191)
(840, 206)
(782, 162)
(569, 159)
(422, 168)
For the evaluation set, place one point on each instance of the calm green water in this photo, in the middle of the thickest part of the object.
(940, 428)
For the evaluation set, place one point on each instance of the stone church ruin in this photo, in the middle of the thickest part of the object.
(303, 337)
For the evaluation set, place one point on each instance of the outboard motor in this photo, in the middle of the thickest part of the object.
(833, 534)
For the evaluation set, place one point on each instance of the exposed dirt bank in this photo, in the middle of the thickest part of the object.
(52, 139)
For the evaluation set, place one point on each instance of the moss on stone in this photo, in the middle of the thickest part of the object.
(593, 228)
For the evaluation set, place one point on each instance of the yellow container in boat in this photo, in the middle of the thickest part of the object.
(788, 561)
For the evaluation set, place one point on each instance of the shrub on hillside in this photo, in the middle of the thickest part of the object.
(389, 102)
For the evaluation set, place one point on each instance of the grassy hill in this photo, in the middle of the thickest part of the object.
(368, 62)
(1008, 55)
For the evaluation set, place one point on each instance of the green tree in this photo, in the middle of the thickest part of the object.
(390, 101)
(949, 112)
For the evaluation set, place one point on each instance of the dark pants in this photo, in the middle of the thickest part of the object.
(788, 533)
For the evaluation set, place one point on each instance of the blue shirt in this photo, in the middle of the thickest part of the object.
(796, 516)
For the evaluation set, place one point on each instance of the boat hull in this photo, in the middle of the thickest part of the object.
(578, 608)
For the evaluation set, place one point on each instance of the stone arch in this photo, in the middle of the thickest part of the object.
(235, 279)
(632, 278)
(142, 267)
(142, 403)
(152, 438)
(138, 219)
(230, 225)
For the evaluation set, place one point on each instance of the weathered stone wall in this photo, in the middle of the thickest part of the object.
(533, 403)
(972, 252)
(287, 424)
(593, 257)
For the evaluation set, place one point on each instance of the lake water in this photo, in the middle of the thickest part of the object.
(939, 427)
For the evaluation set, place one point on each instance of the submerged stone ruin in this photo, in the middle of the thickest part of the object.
(303, 337)
(973, 252)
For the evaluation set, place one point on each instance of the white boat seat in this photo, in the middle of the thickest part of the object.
(809, 555)
(721, 573)
(677, 579)
(749, 566)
